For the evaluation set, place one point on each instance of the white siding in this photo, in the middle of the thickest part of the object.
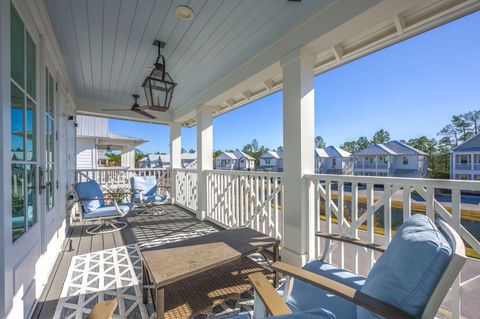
(86, 154)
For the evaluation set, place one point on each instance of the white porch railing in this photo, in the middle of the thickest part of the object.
(120, 177)
(253, 199)
(186, 186)
(373, 207)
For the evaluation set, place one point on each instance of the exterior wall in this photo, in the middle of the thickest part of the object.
(26, 263)
(86, 153)
(325, 165)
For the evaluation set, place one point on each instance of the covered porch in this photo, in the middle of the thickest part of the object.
(225, 55)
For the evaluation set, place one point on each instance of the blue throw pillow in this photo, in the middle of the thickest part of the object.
(408, 272)
(90, 190)
(147, 185)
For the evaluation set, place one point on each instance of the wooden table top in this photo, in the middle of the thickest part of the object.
(174, 261)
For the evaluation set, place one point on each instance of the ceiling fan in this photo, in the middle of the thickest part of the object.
(135, 108)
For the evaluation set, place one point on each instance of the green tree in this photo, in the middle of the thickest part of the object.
(254, 145)
(216, 153)
(184, 150)
(381, 136)
(319, 142)
(449, 136)
(424, 144)
(191, 151)
(138, 156)
(474, 118)
(462, 126)
(362, 142)
(349, 146)
(114, 158)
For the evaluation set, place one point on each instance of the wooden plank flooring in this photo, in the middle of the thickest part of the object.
(142, 228)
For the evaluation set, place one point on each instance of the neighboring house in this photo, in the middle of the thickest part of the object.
(189, 160)
(465, 160)
(390, 159)
(271, 161)
(94, 140)
(238, 160)
(333, 160)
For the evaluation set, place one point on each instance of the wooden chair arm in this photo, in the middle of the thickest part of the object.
(353, 241)
(368, 302)
(274, 304)
(103, 310)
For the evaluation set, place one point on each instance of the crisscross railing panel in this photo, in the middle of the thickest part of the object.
(252, 199)
(372, 208)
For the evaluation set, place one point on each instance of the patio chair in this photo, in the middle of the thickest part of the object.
(146, 191)
(94, 207)
(410, 279)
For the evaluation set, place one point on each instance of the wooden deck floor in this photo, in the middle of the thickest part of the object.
(142, 228)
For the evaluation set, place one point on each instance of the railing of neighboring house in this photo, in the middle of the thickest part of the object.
(371, 208)
(253, 199)
(120, 177)
(186, 186)
(476, 166)
(382, 165)
(467, 166)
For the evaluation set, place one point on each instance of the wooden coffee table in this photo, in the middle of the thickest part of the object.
(172, 262)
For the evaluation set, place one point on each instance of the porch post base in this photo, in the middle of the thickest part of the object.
(293, 257)
(200, 214)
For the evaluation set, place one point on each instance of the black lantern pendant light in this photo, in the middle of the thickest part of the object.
(158, 85)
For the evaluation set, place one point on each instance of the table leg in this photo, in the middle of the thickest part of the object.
(160, 303)
(275, 259)
(145, 282)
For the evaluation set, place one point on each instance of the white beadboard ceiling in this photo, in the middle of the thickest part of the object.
(108, 43)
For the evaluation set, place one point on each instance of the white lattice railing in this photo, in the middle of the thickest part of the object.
(373, 207)
(120, 177)
(252, 199)
(186, 188)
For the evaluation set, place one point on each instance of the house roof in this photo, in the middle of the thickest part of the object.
(332, 151)
(470, 145)
(272, 154)
(235, 155)
(403, 149)
(389, 148)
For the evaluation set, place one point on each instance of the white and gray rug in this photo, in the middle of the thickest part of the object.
(116, 274)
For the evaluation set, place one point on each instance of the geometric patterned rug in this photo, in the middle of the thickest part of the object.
(116, 274)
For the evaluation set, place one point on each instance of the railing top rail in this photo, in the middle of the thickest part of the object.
(400, 181)
(191, 170)
(244, 173)
(110, 169)
(150, 169)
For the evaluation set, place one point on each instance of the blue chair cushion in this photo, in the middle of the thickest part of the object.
(319, 313)
(146, 185)
(89, 190)
(305, 297)
(408, 272)
(108, 211)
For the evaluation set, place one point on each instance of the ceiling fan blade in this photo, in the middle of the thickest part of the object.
(143, 113)
(116, 110)
(142, 107)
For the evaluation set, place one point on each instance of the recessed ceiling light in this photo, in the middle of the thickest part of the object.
(184, 12)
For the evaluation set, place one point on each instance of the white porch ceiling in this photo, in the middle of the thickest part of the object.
(230, 53)
(108, 43)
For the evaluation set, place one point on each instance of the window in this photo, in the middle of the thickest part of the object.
(405, 160)
(267, 162)
(23, 129)
(463, 177)
(49, 140)
(463, 159)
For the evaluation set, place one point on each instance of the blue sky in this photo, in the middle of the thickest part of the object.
(410, 89)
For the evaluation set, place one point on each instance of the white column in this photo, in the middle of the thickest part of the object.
(128, 158)
(204, 156)
(175, 154)
(298, 145)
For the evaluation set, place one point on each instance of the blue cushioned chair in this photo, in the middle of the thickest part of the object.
(146, 192)
(410, 279)
(94, 207)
